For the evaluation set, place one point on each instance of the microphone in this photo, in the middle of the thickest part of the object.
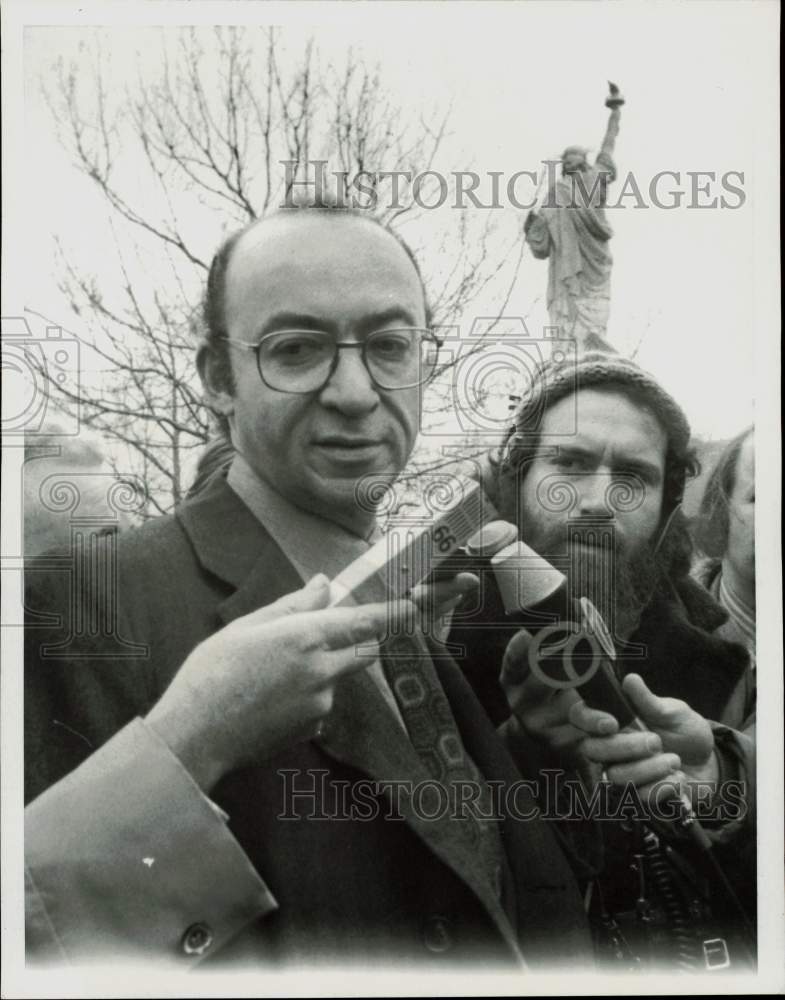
(565, 634)
(474, 556)
(570, 645)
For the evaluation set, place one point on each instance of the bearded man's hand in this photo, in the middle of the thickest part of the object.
(679, 747)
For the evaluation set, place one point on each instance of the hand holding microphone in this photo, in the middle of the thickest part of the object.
(559, 679)
(677, 745)
(560, 682)
(561, 685)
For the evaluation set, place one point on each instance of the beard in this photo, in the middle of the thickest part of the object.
(617, 576)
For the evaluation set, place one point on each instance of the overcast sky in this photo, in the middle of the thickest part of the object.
(525, 80)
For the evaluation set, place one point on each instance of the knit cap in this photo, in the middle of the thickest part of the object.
(559, 377)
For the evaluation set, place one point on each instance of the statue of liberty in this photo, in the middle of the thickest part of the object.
(570, 228)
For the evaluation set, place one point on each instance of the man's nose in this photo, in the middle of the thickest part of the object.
(592, 490)
(350, 388)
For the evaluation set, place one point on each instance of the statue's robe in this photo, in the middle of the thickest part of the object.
(571, 229)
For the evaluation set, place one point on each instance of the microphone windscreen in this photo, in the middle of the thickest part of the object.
(525, 580)
(491, 538)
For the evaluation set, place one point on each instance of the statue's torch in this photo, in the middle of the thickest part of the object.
(614, 99)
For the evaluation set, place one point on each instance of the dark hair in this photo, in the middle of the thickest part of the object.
(681, 459)
(712, 524)
(216, 457)
(214, 304)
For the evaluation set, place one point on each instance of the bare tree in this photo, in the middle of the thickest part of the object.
(194, 150)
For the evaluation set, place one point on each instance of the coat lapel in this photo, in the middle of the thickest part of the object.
(361, 730)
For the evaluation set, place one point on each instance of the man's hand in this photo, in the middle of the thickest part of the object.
(680, 740)
(265, 682)
(680, 743)
(437, 601)
(542, 711)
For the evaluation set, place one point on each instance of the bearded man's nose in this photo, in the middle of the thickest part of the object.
(592, 499)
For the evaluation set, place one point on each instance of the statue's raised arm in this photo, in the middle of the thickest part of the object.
(605, 159)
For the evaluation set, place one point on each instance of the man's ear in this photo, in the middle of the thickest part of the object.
(216, 375)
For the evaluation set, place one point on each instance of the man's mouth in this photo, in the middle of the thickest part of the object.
(337, 441)
(348, 447)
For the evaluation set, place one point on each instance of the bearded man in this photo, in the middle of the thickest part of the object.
(593, 472)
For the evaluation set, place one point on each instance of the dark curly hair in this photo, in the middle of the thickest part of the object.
(712, 524)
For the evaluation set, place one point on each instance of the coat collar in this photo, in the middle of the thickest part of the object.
(226, 537)
(230, 543)
(680, 653)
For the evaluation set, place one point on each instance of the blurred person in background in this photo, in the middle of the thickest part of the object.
(66, 477)
(725, 535)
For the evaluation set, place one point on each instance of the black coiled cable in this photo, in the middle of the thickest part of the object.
(685, 955)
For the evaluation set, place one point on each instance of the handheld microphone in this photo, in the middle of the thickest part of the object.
(570, 644)
(565, 634)
(474, 556)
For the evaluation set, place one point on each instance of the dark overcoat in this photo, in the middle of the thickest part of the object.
(124, 853)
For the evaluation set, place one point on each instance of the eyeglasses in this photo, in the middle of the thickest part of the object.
(304, 361)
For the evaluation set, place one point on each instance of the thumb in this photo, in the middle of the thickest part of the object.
(314, 596)
(515, 662)
(652, 709)
(516, 678)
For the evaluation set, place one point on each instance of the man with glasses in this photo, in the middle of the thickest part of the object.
(189, 797)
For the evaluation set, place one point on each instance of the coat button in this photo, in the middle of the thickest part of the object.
(437, 935)
(197, 939)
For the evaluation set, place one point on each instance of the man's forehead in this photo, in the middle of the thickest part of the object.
(300, 237)
(604, 420)
(318, 264)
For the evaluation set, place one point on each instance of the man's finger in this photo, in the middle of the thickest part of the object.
(593, 720)
(563, 737)
(662, 795)
(436, 595)
(339, 628)
(336, 663)
(516, 673)
(622, 747)
(557, 710)
(642, 772)
(312, 597)
(534, 693)
(515, 664)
